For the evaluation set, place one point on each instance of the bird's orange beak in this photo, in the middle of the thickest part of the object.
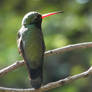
(49, 14)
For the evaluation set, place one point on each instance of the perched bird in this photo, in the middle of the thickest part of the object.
(31, 45)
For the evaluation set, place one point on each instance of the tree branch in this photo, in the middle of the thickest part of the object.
(47, 53)
(11, 67)
(68, 48)
(52, 85)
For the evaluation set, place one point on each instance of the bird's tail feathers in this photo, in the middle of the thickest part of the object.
(36, 83)
(36, 77)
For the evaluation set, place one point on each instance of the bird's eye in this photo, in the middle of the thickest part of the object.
(38, 16)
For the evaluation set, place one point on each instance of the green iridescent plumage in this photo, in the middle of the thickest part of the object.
(31, 46)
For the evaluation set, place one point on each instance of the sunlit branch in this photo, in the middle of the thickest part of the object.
(47, 53)
(51, 85)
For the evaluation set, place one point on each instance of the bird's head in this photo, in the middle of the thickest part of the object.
(32, 18)
(35, 17)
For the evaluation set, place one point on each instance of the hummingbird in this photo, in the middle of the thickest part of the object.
(31, 45)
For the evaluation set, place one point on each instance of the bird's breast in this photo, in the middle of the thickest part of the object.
(33, 45)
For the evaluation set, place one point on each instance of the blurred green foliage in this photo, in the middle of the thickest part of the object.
(73, 26)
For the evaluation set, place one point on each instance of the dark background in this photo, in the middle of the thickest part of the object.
(73, 26)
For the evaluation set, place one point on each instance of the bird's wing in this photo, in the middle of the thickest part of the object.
(20, 45)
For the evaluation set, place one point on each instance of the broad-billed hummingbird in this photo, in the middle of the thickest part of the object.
(31, 45)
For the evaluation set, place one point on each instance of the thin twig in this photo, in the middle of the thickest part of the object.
(47, 53)
(52, 85)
